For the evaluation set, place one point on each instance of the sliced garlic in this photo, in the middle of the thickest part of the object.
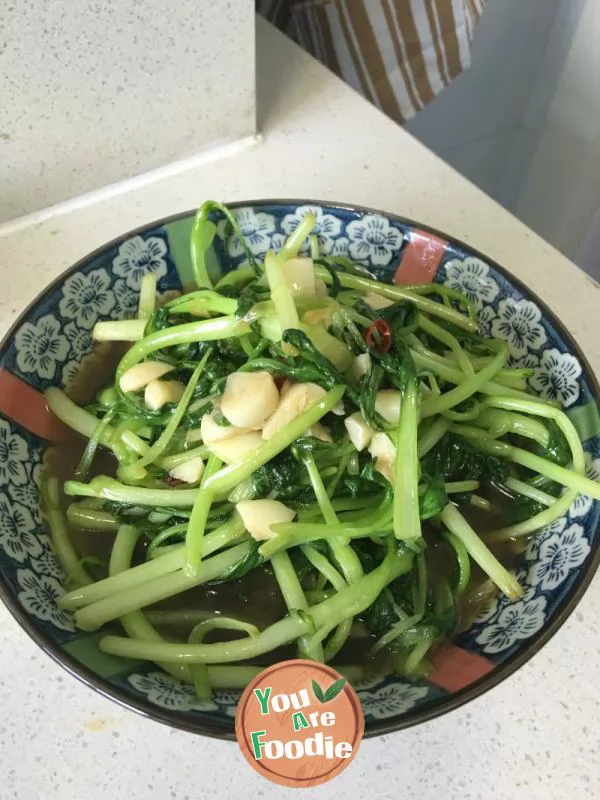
(249, 398)
(285, 387)
(193, 436)
(383, 451)
(259, 515)
(320, 432)
(140, 375)
(361, 365)
(381, 446)
(211, 431)
(318, 316)
(237, 448)
(157, 393)
(321, 289)
(298, 398)
(377, 301)
(190, 471)
(339, 410)
(386, 468)
(387, 403)
(359, 432)
(300, 276)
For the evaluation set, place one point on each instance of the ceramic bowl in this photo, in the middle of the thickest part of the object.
(52, 339)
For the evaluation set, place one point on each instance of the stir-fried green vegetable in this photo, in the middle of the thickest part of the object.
(297, 418)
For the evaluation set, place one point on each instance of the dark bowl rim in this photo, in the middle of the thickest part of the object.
(208, 726)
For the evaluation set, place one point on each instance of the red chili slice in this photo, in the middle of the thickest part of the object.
(383, 342)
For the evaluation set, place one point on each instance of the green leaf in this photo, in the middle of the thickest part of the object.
(434, 498)
(381, 615)
(249, 561)
(302, 566)
(250, 296)
(402, 317)
(281, 475)
(334, 689)
(456, 460)
(557, 451)
(318, 692)
(307, 352)
(520, 509)
(369, 386)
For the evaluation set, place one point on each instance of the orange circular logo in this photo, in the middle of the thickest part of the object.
(299, 723)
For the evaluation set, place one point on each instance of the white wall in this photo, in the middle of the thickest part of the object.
(477, 122)
(95, 91)
(524, 122)
(560, 195)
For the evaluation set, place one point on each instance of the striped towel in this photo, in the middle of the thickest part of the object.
(397, 53)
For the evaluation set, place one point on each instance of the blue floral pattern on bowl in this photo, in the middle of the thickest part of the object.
(52, 340)
(50, 345)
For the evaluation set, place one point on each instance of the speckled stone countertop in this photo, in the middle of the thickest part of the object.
(95, 92)
(535, 735)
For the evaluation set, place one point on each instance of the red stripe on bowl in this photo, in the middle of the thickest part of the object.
(454, 668)
(25, 405)
(420, 259)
